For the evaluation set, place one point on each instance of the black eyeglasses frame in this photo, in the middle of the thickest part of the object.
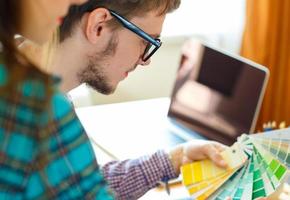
(156, 42)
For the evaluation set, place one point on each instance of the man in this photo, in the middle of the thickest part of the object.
(100, 46)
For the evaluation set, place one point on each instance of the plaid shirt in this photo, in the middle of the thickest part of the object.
(130, 179)
(44, 150)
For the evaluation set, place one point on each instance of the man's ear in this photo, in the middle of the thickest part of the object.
(96, 22)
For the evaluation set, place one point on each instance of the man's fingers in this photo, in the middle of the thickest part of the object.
(200, 150)
(220, 147)
(214, 154)
(185, 160)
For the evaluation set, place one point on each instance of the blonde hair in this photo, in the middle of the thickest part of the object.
(48, 51)
(40, 56)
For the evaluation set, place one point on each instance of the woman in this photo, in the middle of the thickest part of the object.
(43, 155)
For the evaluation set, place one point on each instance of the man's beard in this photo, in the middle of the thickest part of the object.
(94, 74)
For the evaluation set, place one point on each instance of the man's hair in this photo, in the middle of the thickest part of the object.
(126, 8)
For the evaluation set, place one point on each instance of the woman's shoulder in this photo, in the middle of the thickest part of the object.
(33, 84)
(34, 91)
(38, 93)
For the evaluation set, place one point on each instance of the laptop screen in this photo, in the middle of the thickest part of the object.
(216, 94)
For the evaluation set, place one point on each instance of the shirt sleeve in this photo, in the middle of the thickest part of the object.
(130, 179)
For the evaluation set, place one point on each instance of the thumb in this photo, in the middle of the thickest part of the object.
(186, 160)
(214, 155)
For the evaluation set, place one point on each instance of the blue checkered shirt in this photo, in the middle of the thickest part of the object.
(44, 150)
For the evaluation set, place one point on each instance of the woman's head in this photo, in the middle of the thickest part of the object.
(33, 19)
(38, 19)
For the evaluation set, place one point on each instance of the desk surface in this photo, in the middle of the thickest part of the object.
(128, 130)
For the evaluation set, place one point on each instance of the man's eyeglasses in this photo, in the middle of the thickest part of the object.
(153, 44)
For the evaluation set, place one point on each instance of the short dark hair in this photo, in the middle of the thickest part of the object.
(126, 8)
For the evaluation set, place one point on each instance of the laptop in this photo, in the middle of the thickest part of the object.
(216, 94)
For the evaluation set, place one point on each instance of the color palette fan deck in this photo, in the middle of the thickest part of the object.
(257, 165)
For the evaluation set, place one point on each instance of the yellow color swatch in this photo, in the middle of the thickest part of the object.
(201, 185)
(206, 169)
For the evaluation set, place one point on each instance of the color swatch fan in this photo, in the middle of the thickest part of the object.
(257, 165)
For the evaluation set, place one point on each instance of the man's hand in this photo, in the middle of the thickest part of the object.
(197, 150)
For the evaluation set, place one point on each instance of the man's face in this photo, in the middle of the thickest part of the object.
(105, 68)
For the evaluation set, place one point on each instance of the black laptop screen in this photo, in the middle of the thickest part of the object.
(217, 94)
(213, 68)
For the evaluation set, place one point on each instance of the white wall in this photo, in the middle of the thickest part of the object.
(219, 23)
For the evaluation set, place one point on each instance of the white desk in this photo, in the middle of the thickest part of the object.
(128, 130)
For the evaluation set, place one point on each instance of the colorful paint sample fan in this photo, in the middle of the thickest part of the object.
(257, 165)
